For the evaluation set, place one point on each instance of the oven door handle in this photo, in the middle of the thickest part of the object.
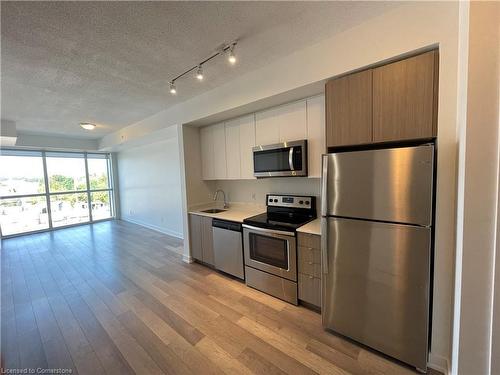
(269, 231)
(290, 159)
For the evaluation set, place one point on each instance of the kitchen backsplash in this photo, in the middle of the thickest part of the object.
(254, 191)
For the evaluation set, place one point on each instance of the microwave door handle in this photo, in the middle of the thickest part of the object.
(290, 159)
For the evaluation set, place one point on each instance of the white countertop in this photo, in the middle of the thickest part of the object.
(236, 212)
(313, 227)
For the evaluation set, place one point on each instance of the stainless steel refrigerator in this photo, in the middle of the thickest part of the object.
(377, 210)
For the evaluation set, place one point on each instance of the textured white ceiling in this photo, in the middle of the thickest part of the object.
(109, 62)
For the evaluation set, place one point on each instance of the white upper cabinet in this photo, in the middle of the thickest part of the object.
(219, 139)
(207, 152)
(315, 134)
(247, 142)
(240, 139)
(233, 149)
(284, 123)
(267, 128)
(226, 148)
(293, 122)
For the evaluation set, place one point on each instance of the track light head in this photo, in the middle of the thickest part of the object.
(173, 89)
(199, 73)
(231, 57)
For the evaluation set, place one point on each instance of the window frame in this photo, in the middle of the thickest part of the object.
(110, 189)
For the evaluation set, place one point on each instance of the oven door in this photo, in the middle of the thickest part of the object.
(281, 159)
(270, 251)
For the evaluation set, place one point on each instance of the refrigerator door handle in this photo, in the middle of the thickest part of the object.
(324, 245)
(324, 186)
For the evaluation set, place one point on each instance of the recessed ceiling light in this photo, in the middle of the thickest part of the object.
(87, 125)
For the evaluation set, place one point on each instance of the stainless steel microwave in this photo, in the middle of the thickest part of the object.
(280, 159)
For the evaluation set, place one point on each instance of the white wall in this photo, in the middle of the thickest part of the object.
(195, 189)
(411, 26)
(150, 186)
(56, 143)
(480, 164)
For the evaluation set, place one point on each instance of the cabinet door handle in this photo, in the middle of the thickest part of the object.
(310, 277)
(309, 262)
(324, 244)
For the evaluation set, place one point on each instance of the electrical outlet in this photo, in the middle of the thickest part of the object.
(131, 212)
(253, 196)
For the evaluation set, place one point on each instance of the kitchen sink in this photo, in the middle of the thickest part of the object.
(213, 211)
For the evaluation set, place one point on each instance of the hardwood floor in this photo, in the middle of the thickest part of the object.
(116, 298)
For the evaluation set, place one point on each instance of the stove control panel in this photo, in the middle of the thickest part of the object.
(289, 201)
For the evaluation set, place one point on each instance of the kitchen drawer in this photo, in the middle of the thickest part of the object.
(310, 289)
(310, 268)
(309, 254)
(309, 240)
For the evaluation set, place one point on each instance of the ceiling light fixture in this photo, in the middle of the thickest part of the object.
(173, 90)
(222, 50)
(231, 58)
(199, 73)
(87, 125)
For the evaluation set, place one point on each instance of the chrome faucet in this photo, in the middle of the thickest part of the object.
(226, 205)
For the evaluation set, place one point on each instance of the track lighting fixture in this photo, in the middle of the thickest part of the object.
(173, 90)
(227, 48)
(199, 73)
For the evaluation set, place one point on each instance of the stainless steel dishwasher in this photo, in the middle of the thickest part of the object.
(228, 247)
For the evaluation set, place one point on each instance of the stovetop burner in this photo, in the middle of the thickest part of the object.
(285, 212)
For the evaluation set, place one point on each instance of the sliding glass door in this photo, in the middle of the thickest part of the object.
(42, 190)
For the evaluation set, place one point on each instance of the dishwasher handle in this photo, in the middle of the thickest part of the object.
(228, 225)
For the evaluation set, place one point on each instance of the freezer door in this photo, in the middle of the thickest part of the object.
(386, 184)
(376, 289)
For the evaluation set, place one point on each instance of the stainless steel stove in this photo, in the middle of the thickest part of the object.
(270, 244)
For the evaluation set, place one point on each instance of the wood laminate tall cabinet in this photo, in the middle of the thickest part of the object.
(405, 98)
(393, 102)
(349, 109)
